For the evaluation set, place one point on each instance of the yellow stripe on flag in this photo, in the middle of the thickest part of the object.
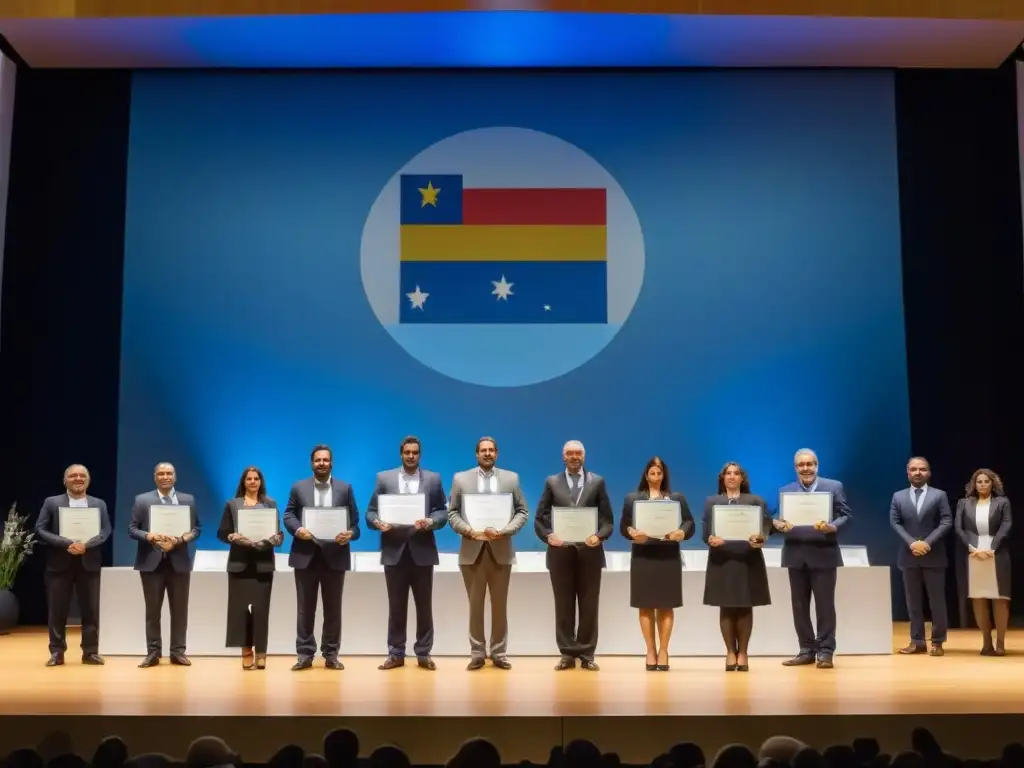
(503, 243)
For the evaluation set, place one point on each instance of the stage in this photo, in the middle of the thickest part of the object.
(970, 700)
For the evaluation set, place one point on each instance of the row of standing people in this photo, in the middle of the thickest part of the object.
(736, 580)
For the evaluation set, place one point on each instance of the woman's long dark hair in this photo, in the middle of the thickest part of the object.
(744, 478)
(997, 483)
(261, 494)
(666, 487)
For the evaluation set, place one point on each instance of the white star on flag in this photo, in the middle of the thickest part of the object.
(417, 298)
(502, 289)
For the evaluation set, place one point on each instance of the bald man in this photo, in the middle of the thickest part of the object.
(73, 565)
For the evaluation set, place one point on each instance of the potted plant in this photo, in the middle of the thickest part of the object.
(15, 546)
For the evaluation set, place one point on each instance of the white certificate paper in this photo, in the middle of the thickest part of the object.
(487, 510)
(173, 520)
(78, 523)
(325, 523)
(805, 508)
(401, 508)
(656, 517)
(574, 525)
(257, 524)
(736, 522)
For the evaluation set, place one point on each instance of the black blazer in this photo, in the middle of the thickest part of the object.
(1000, 521)
(421, 542)
(626, 520)
(241, 557)
(148, 556)
(337, 556)
(930, 526)
(48, 526)
(734, 550)
(556, 494)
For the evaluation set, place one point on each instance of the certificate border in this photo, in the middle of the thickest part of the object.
(831, 500)
(760, 517)
(60, 510)
(597, 521)
(679, 508)
(277, 517)
(348, 520)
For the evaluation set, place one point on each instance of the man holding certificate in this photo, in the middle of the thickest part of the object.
(407, 506)
(74, 526)
(574, 518)
(811, 512)
(323, 517)
(164, 522)
(487, 508)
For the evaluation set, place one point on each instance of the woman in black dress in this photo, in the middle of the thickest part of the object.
(250, 572)
(736, 578)
(656, 566)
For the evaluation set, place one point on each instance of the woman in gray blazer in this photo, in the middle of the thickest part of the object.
(983, 522)
(250, 572)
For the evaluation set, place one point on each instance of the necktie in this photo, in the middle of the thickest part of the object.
(574, 492)
(165, 500)
(733, 501)
(917, 498)
(406, 488)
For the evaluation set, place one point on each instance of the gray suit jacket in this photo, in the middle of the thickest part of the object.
(502, 549)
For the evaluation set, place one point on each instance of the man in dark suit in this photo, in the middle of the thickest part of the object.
(409, 554)
(575, 568)
(164, 562)
(921, 516)
(320, 564)
(73, 565)
(811, 555)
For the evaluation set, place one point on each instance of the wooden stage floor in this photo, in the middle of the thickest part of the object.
(697, 700)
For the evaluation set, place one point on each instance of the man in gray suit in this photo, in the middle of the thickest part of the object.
(921, 517)
(409, 554)
(164, 562)
(486, 557)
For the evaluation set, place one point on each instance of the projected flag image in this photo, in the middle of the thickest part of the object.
(501, 256)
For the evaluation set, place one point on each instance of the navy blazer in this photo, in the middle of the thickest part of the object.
(421, 542)
(48, 530)
(930, 526)
(557, 493)
(337, 556)
(148, 556)
(805, 547)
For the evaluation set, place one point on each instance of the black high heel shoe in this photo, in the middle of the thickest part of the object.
(651, 667)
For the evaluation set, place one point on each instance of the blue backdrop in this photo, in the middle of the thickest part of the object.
(754, 283)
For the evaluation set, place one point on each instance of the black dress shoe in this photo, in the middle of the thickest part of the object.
(425, 662)
(565, 663)
(180, 659)
(474, 664)
(333, 664)
(936, 650)
(913, 648)
(392, 662)
(55, 660)
(302, 664)
(590, 665)
(825, 662)
(93, 658)
(501, 663)
(801, 660)
(151, 660)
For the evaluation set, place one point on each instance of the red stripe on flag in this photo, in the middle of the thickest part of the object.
(534, 206)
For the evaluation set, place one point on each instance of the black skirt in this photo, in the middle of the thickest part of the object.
(656, 576)
(736, 577)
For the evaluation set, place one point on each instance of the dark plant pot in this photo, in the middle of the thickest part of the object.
(8, 611)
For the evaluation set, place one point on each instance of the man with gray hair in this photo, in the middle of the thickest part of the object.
(575, 566)
(812, 557)
(72, 564)
(164, 562)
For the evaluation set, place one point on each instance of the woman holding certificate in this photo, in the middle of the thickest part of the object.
(983, 524)
(655, 519)
(250, 525)
(734, 526)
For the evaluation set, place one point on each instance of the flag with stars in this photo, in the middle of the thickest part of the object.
(490, 255)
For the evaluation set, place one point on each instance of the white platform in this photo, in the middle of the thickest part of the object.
(862, 597)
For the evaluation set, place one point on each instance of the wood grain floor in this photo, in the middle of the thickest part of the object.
(960, 682)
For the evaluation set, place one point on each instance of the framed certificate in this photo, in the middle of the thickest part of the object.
(736, 522)
(401, 508)
(802, 508)
(325, 523)
(170, 520)
(487, 510)
(574, 525)
(257, 524)
(656, 517)
(78, 523)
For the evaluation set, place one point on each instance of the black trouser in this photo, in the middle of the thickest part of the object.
(821, 584)
(576, 581)
(249, 628)
(59, 585)
(402, 578)
(916, 583)
(318, 577)
(155, 584)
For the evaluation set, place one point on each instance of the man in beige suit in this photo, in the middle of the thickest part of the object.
(486, 557)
